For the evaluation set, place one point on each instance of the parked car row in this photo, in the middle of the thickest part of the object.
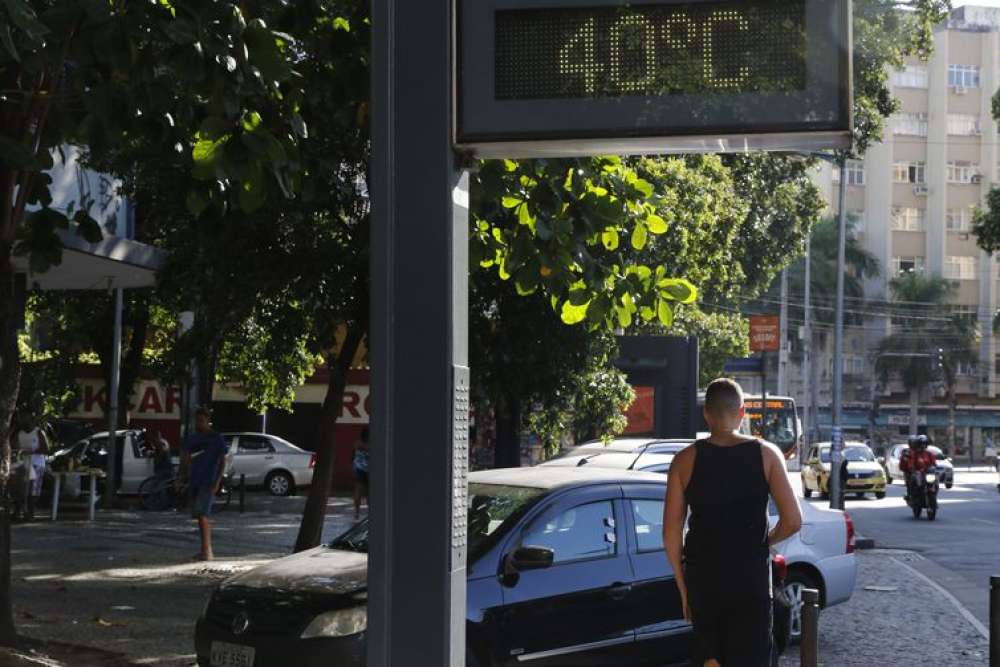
(263, 459)
(547, 545)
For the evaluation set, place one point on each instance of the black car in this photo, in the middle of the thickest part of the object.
(566, 568)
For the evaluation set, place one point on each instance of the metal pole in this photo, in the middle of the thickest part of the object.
(419, 343)
(807, 350)
(763, 395)
(111, 487)
(836, 431)
(783, 335)
(995, 621)
(809, 643)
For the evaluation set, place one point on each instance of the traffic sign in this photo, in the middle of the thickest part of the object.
(584, 77)
(765, 333)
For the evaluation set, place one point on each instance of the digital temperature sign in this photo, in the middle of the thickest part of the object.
(576, 77)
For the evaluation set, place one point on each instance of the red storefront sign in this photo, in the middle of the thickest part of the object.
(765, 333)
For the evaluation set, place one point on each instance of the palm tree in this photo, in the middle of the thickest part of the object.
(929, 341)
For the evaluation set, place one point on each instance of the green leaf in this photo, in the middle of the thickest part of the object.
(573, 314)
(196, 203)
(579, 297)
(639, 236)
(656, 224)
(266, 53)
(24, 18)
(665, 312)
(524, 216)
(678, 289)
(511, 202)
(624, 316)
(645, 187)
(169, 6)
(609, 237)
(509, 166)
(253, 190)
(340, 23)
(87, 228)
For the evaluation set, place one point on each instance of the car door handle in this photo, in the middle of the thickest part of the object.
(618, 591)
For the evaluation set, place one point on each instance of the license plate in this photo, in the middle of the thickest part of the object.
(231, 655)
(857, 482)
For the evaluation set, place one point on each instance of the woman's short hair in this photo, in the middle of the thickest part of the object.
(723, 396)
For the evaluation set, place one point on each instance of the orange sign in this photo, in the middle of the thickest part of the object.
(640, 415)
(765, 333)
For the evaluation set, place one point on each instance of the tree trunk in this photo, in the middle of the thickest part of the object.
(10, 379)
(914, 410)
(314, 514)
(132, 359)
(508, 441)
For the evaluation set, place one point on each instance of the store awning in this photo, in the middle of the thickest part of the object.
(110, 263)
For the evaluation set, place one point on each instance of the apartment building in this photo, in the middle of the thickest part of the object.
(913, 197)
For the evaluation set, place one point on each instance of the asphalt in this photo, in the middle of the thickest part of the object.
(960, 549)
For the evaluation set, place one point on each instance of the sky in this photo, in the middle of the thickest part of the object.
(981, 3)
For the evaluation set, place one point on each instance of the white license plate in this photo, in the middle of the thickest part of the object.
(858, 482)
(231, 655)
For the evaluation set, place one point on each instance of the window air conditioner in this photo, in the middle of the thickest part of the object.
(976, 178)
(920, 190)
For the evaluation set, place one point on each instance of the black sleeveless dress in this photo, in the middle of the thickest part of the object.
(726, 556)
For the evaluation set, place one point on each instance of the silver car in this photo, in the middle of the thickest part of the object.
(269, 461)
(946, 469)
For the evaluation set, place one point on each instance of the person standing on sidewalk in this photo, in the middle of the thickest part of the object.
(205, 452)
(722, 565)
(360, 462)
(33, 448)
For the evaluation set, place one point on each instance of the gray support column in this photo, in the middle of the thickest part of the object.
(419, 340)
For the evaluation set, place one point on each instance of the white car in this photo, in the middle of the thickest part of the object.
(627, 446)
(946, 470)
(269, 461)
(820, 556)
(644, 461)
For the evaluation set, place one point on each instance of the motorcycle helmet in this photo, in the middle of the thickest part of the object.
(919, 442)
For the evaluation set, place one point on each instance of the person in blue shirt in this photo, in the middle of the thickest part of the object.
(205, 455)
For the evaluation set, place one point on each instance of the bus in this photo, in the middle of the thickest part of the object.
(783, 426)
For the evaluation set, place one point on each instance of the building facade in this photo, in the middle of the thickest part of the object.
(913, 197)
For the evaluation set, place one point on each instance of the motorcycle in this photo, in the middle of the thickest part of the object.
(923, 493)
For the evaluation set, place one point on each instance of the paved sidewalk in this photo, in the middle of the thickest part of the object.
(897, 618)
(127, 582)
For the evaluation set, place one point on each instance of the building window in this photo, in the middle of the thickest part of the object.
(963, 76)
(855, 173)
(911, 124)
(908, 219)
(960, 267)
(958, 219)
(963, 172)
(965, 368)
(911, 76)
(907, 264)
(963, 124)
(908, 172)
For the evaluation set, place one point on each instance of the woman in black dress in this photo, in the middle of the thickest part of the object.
(722, 564)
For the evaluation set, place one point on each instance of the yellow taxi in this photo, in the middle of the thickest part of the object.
(864, 474)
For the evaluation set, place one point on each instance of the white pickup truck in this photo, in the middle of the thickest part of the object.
(135, 462)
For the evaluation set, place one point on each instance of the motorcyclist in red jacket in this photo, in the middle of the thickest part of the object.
(916, 459)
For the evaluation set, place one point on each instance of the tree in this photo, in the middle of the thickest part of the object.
(209, 79)
(928, 343)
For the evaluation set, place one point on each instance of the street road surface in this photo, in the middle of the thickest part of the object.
(961, 548)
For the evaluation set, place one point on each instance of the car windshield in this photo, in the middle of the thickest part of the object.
(850, 454)
(493, 509)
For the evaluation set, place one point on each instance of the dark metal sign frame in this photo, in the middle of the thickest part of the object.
(817, 117)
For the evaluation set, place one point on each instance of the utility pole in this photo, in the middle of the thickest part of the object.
(807, 351)
(783, 327)
(836, 430)
(111, 487)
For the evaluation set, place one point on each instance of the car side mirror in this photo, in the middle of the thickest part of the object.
(532, 558)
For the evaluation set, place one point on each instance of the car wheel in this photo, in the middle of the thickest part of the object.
(797, 582)
(949, 484)
(879, 495)
(279, 484)
(806, 491)
(859, 496)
